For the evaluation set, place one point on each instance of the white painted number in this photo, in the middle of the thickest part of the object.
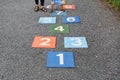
(78, 40)
(71, 19)
(46, 42)
(61, 58)
(60, 28)
(59, 12)
(47, 19)
(69, 6)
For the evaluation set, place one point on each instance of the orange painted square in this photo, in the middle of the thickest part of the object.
(72, 7)
(44, 42)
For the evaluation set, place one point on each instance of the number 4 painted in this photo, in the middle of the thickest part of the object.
(60, 28)
(61, 58)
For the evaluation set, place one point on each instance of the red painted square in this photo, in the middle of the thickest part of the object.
(44, 42)
(72, 7)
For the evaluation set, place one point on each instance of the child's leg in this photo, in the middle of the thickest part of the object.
(36, 8)
(61, 7)
(42, 6)
(37, 2)
(52, 6)
(42, 3)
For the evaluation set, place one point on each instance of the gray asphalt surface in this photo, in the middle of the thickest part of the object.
(19, 25)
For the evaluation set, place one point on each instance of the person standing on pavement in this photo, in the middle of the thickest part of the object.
(38, 7)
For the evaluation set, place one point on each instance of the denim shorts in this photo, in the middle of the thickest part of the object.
(58, 2)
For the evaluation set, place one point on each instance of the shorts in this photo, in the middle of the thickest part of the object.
(58, 2)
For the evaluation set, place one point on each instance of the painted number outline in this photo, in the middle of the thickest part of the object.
(78, 40)
(59, 12)
(60, 28)
(71, 19)
(61, 58)
(68, 6)
(47, 19)
(45, 41)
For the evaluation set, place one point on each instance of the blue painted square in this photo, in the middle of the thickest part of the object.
(61, 13)
(60, 59)
(71, 19)
(75, 42)
(47, 20)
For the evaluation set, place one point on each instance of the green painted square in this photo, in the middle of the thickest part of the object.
(55, 28)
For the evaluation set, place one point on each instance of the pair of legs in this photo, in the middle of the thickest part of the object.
(36, 8)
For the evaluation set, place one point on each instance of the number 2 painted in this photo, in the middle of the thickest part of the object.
(46, 41)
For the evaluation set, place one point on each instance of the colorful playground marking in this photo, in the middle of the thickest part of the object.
(55, 28)
(75, 42)
(71, 19)
(47, 20)
(56, 13)
(44, 42)
(60, 59)
(69, 7)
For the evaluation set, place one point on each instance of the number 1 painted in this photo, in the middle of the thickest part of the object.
(61, 58)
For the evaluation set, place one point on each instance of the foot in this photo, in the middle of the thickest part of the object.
(36, 8)
(43, 9)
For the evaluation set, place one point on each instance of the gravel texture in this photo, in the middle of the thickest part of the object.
(19, 25)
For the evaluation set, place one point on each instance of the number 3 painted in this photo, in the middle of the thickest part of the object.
(46, 41)
(79, 42)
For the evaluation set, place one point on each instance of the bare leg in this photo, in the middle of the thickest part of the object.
(52, 6)
(61, 7)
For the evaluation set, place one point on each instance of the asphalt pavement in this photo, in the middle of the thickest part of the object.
(19, 25)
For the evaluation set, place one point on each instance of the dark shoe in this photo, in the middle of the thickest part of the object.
(43, 9)
(36, 8)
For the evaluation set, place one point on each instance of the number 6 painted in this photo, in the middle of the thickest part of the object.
(71, 19)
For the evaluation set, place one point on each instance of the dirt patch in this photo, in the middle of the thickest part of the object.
(112, 8)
